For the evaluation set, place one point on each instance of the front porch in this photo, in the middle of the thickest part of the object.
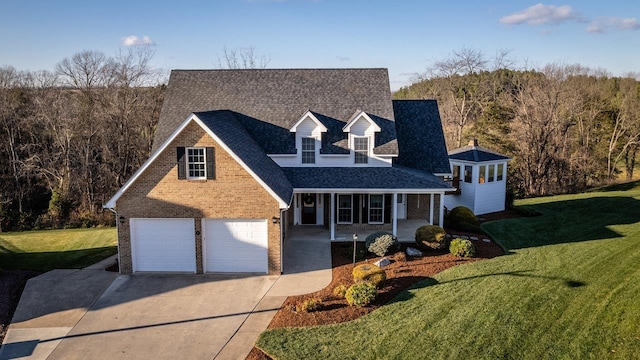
(406, 230)
(343, 214)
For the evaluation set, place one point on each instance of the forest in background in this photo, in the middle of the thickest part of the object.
(567, 127)
(69, 139)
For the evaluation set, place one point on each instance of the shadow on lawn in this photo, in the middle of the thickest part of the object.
(408, 294)
(45, 261)
(566, 222)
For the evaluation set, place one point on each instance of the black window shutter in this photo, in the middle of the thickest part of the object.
(388, 203)
(211, 162)
(182, 162)
(356, 208)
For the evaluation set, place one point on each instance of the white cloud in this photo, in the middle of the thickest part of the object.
(343, 58)
(540, 14)
(606, 24)
(134, 40)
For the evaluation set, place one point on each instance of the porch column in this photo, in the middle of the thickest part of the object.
(441, 224)
(431, 209)
(394, 216)
(332, 226)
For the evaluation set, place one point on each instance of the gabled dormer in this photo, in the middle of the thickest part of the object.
(308, 130)
(361, 131)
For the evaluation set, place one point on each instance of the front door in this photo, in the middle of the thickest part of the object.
(309, 209)
(401, 206)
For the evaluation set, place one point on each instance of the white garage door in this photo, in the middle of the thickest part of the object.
(238, 245)
(163, 245)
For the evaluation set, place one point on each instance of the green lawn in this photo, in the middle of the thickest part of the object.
(56, 249)
(569, 289)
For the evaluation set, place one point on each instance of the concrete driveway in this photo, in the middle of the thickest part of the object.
(95, 314)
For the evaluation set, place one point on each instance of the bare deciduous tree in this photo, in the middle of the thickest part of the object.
(242, 58)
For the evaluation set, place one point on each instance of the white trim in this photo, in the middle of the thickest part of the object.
(360, 114)
(394, 214)
(282, 155)
(111, 204)
(187, 162)
(310, 115)
(332, 224)
(369, 210)
(372, 191)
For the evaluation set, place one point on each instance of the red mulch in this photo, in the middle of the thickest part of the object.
(12, 283)
(401, 274)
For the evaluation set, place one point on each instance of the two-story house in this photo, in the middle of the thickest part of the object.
(241, 156)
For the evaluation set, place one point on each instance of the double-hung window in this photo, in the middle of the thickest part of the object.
(196, 164)
(376, 209)
(361, 150)
(345, 206)
(308, 150)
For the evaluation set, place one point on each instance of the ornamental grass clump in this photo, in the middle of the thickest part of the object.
(340, 291)
(431, 236)
(382, 243)
(309, 305)
(462, 248)
(361, 294)
(369, 273)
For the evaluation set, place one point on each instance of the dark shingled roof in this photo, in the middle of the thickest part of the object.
(419, 128)
(272, 100)
(475, 153)
(396, 177)
(229, 129)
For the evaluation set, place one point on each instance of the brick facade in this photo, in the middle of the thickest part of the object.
(234, 194)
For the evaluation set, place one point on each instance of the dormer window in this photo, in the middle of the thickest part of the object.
(308, 150)
(361, 150)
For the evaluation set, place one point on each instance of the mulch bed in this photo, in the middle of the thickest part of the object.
(402, 273)
(12, 283)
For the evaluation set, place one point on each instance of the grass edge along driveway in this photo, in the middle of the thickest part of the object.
(568, 289)
(45, 250)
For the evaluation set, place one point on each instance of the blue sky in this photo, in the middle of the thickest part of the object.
(403, 36)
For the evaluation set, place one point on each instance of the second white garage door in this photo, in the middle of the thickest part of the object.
(235, 245)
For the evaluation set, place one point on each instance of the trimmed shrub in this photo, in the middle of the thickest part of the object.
(340, 291)
(382, 243)
(463, 226)
(369, 273)
(462, 248)
(432, 236)
(309, 305)
(461, 214)
(361, 294)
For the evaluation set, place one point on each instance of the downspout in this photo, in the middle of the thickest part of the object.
(117, 233)
(282, 234)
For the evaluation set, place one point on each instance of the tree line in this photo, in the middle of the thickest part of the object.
(70, 138)
(567, 127)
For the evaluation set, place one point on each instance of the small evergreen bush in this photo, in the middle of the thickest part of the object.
(462, 248)
(432, 236)
(382, 243)
(309, 305)
(340, 291)
(361, 294)
(369, 273)
(461, 214)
